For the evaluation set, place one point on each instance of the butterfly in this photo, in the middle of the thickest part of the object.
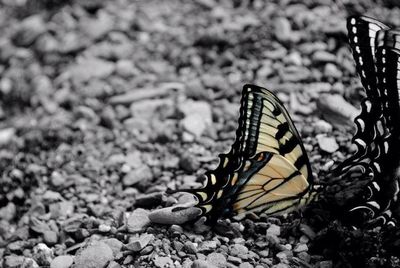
(373, 167)
(266, 170)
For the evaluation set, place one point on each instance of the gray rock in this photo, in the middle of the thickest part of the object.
(207, 246)
(327, 144)
(94, 256)
(63, 261)
(163, 262)
(50, 237)
(29, 30)
(142, 174)
(138, 220)
(202, 264)
(246, 265)
(114, 244)
(238, 249)
(282, 29)
(336, 110)
(274, 230)
(300, 248)
(325, 264)
(13, 261)
(125, 68)
(90, 68)
(190, 248)
(8, 212)
(97, 27)
(217, 259)
(6, 134)
(331, 70)
(138, 243)
(323, 56)
(178, 214)
(198, 117)
(321, 126)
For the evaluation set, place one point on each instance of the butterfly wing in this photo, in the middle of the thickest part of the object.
(267, 148)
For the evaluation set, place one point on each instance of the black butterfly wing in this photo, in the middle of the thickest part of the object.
(267, 169)
(384, 190)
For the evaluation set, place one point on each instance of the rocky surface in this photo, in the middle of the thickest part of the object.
(104, 105)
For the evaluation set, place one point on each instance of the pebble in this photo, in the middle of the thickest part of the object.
(321, 126)
(305, 229)
(50, 237)
(139, 94)
(94, 256)
(327, 144)
(8, 212)
(331, 70)
(113, 264)
(190, 248)
(114, 244)
(163, 262)
(63, 261)
(207, 246)
(198, 117)
(104, 228)
(125, 68)
(300, 248)
(29, 30)
(6, 135)
(274, 230)
(138, 243)
(202, 264)
(323, 56)
(217, 259)
(325, 264)
(141, 175)
(174, 215)
(237, 249)
(90, 68)
(246, 265)
(138, 220)
(336, 110)
(282, 29)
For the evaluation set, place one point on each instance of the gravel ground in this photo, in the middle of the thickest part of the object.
(104, 105)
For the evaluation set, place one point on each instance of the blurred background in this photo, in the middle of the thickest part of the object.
(106, 104)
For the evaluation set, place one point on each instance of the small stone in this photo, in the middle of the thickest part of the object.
(208, 246)
(142, 174)
(125, 68)
(8, 212)
(198, 117)
(6, 134)
(281, 265)
(327, 144)
(246, 265)
(217, 259)
(138, 243)
(29, 30)
(114, 244)
(331, 70)
(163, 262)
(337, 110)
(237, 250)
(97, 27)
(304, 256)
(104, 228)
(63, 261)
(300, 248)
(325, 264)
(138, 220)
(321, 126)
(304, 239)
(234, 260)
(94, 256)
(323, 56)
(13, 261)
(282, 29)
(87, 69)
(274, 230)
(113, 264)
(190, 248)
(202, 264)
(174, 215)
(50, 237)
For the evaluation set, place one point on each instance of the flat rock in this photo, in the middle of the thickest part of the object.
(94, 256)
(327, 144)
(90, 68)
(63, 261)
(217, 259)
(274, 230)
(163, 262)
(336, 110)
(138, 243)
(138, 220)
(178, 214)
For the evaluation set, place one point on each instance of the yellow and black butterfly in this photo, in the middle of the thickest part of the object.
(267, 169)
(374, 46)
